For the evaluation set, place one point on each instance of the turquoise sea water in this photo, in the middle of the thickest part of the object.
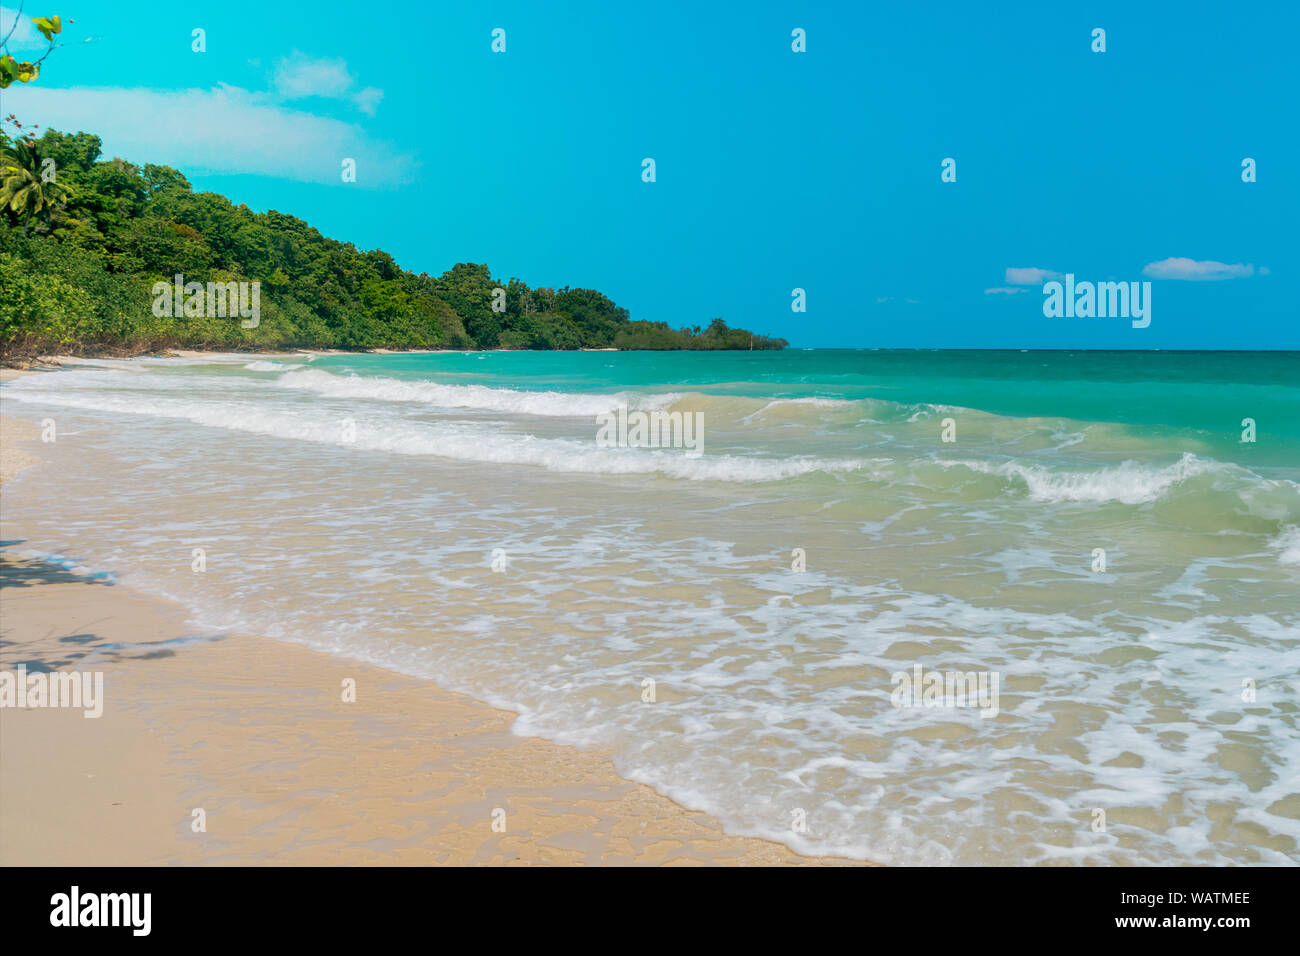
(1088, 530)
(1175, 394)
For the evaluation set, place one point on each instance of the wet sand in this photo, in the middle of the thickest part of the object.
(252, 738)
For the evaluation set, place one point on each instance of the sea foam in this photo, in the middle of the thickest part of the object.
(559, 404)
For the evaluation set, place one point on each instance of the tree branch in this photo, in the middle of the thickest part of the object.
(13, 26)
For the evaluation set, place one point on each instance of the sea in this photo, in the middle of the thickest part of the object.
(914, 607)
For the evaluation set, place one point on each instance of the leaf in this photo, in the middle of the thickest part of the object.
(45, 26)
(58, 24)
(28, 72)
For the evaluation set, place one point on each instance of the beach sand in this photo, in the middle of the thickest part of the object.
(255, 734)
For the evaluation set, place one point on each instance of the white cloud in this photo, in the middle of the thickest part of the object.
(224, 130)
(25, 35)
(1194, 271)
(1030, 276)
(368, 99)
(1003, 290)
(300, 76)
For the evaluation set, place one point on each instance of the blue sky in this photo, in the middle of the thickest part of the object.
(775, 169)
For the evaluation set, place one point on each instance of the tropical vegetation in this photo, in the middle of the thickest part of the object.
(83, 240)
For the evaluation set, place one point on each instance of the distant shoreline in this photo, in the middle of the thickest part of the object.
(55, 359)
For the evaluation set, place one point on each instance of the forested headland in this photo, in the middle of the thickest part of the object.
(83, 241)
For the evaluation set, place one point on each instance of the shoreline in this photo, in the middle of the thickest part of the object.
(54, 360)
(252, 736)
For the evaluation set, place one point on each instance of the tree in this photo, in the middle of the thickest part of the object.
(85, 283)
(24, 189)
(25, 71)
(161, 177)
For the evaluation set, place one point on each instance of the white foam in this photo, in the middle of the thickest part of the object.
(1287, 545)
(460, 442)
(1129, 482)
(267, 366)
(558, 404)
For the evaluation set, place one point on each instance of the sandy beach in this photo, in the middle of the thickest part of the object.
(242, 750)
(287, 569)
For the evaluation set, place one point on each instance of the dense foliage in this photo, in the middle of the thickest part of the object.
(78, 275)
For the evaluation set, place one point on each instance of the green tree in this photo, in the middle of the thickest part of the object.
(83, 282)
(24, 188)
(25, 71)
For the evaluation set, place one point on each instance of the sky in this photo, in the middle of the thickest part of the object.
(775, 170)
